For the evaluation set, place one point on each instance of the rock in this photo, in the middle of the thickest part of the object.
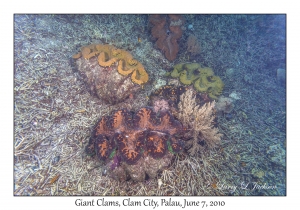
(224, 105)
(235, 95)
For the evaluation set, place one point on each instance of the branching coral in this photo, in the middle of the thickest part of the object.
(203, 79)
(110, 73)
(133, 140)
(166, 29)
(198, 121)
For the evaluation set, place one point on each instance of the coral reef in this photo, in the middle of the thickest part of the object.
(203, 79)
(107, 70)
(166, 29)
(51, 106)
(199, 122)
(132, 146)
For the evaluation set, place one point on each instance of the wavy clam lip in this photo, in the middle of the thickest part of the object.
(129, 147)
(156, 143)
(131, 137)
(167, 123)
(120, 120)
(101, 126)
(145, 118)
(104, 147)
(108, 55)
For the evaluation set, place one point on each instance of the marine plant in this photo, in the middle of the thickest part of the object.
(199, 122)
